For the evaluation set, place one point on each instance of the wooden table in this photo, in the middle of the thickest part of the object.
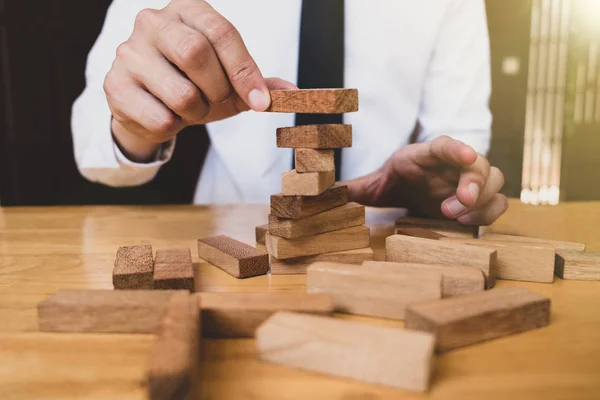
(46, 249)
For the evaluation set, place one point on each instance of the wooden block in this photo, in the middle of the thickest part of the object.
(357, 237)
(103, 311)
(455, 280)
(260, 232)
(531, 262)
(238, 314)
(346, 216)
(558, 244)
(234, 257)
(298, 265)
(175, 355)
(408, 249)
(314, 101)
(577, 265)
(134, 267)
(326, 136)
(348, 349)
(376, 292)
(173, 269)
(308, 184)
(444, 227)
(476, 317)
(418, 232)
(296, 207)
(312, 160)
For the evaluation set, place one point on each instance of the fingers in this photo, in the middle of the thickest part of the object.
(487, 214)
(240, 68)
(454, 208)
(192, 53)
(160, 78)
(473, 179)
(443, 151)
(280, 84)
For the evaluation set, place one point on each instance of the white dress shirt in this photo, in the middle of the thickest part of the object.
(425, 61)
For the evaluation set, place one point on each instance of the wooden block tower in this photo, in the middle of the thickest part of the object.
(311, 219)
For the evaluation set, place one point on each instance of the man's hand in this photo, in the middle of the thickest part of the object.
(183, 65)
(443, 177)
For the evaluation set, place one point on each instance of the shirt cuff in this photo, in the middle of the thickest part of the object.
(163, 155)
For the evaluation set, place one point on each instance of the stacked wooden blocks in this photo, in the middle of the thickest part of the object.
(311, 219)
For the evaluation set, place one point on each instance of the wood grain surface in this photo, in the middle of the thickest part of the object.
(313, 160)
(43, 250)
(307, 184)
(316, 101)
(295, 207)
(328, 136)
(298, 265)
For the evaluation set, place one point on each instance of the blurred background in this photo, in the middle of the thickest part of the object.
(545, 102)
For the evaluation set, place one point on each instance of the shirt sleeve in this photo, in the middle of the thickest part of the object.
(97, 156)
(455, 100)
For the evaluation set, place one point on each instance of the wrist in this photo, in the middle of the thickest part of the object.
(134, 147)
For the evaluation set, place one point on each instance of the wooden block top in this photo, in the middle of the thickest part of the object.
(558, 244)
(173, 264)
(418, 232)
(253, 301)
(107, 298)
(234, 248)
(296, 207)
(315, 101)
(307, 184)
(326, 136)
(475, 304)
(445, 225)
(134, 259)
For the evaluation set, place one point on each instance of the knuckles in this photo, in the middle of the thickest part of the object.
(147, 19)
(192, 50)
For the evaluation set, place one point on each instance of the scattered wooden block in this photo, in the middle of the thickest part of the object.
(408, 249)
(260, 232)
(314, 101)
(234, 257)
(476, 317)
(103, 311)
(357, 237)
(455, 280)
(444, 227)
(376, 292)
(238, 314)
(296, 207)
(134, 268)
(577, 265)
(531, 262)
(558, 244)
(346, 216)
(308, 184)
(326, 136)
(418, 232)
(369, 353)
(175, 356)
(298, 265)
(173, 269)
(312, 160)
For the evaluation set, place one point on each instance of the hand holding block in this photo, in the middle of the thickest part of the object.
(558, 244)
(311, 160)
(237, 315)
(531, 262)
(357, 237)
(329, 136)
(346, 216)
(296, 207)
(299, 265)
(376, 292)
(314, 101)
(408, 249)
(455, 280)
(174, 358)
(103, 311)
(234, 257)
(173, 269)
(577, 265)
(368, 353)
(134, 267)
(308, 184)
(476, 317)
(444, 227)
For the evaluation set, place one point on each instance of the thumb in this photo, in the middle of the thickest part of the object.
(280, 84)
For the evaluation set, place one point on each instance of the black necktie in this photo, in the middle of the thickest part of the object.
(321, 57)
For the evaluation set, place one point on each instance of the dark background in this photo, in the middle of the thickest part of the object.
(43, 48)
